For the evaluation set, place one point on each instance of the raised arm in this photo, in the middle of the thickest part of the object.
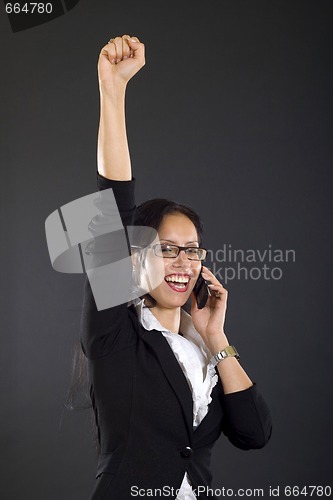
(118, 62)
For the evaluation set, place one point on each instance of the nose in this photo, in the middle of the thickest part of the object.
(182, 259)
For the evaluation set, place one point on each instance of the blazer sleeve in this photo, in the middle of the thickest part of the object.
(247, 421)
(110, 328)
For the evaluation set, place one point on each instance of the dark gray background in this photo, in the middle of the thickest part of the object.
(231, 114)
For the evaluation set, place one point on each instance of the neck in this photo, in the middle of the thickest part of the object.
(169, 318)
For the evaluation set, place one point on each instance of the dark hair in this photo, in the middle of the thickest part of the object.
(150, 214)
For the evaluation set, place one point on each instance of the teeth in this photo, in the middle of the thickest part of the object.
(177, 279)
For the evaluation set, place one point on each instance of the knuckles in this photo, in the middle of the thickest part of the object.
(119, 49)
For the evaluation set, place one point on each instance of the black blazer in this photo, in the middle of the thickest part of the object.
(143, 404)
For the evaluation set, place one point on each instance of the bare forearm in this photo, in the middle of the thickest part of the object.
(113, 157)
(118, 62)
(233, 376)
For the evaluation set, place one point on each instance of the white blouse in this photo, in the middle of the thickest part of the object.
(194, 359)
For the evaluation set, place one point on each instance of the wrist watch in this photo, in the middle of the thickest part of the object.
(229, 351)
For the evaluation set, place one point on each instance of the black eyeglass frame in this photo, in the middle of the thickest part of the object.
(186, 250)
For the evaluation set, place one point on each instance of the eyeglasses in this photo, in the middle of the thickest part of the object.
(172, 251)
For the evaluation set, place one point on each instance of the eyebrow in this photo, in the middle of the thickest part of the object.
(174, 243)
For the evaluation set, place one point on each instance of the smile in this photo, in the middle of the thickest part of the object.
(178, 282)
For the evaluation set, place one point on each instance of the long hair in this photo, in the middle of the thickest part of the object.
(151, 214)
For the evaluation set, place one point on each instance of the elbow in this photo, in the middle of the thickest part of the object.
(247, 422)
(259, 440)
(265, 437)
(253, 439)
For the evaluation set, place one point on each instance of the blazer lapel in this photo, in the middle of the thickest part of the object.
(173, 372)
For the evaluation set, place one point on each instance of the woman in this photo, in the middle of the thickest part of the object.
(159, 400)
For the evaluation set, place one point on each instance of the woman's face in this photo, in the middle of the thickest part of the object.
(180, 273)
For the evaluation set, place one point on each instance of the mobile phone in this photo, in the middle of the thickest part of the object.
(201, 292)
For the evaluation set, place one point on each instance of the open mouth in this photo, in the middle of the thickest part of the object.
(178, 282)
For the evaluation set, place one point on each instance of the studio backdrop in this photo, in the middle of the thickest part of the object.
(232, 115)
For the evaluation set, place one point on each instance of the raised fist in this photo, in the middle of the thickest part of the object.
(120, 60)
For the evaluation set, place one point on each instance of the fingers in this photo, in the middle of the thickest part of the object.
(114, 49)
(215, 285)
(121, 48)
(109, 52)
(126, 48)
(137, 48)
(127, 41)
(117, 49)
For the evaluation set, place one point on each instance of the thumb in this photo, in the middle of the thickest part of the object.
(133, 40)
(135, 44)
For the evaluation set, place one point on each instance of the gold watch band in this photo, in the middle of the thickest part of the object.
(229, 351)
